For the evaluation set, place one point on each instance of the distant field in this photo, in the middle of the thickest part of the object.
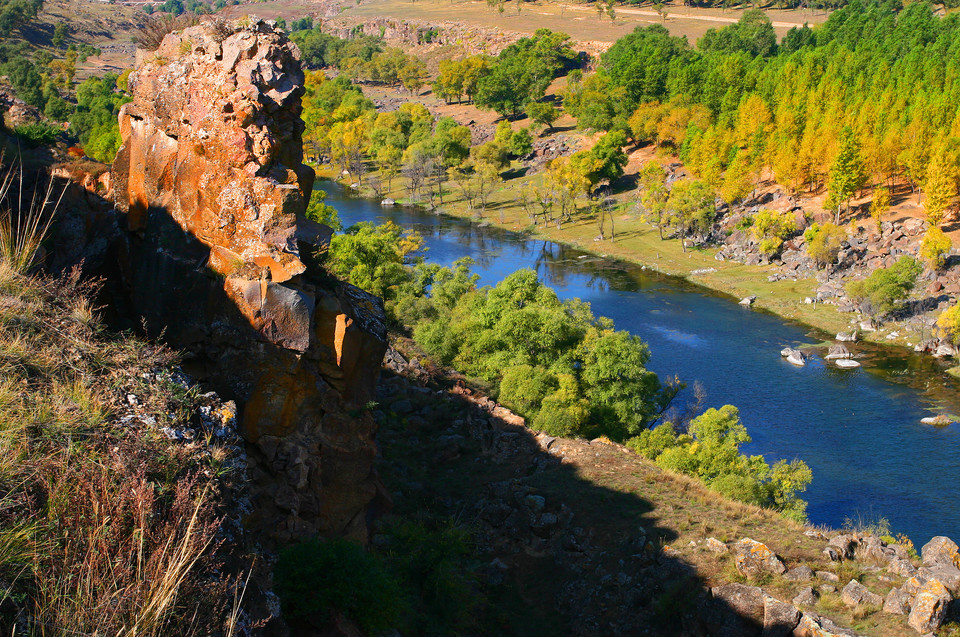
(579, 20)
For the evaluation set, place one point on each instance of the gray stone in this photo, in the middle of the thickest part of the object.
(753, 559)
(779, 618)
(902, 567)
(837, 350)
(799, 574)
(806, 597)
(827, 576)
(940, 550)
(855, 595)
(715, 545)
(746, 601)
(845, 543)
(897, 602)
(946, 574)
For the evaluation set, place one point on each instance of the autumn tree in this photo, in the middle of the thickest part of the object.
(879, 207)
(935, 247)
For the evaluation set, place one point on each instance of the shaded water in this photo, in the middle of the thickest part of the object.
(858, 430)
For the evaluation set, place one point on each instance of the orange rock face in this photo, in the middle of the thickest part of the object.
(213, 189)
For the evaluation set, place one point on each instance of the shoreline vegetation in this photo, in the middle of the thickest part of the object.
(637, 242)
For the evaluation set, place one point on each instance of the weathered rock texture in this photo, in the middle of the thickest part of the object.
(211, 180)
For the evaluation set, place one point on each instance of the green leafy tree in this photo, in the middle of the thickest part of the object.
(847, 173)
(691, 208)
(771, 228)
(542, 113)
(880, 292)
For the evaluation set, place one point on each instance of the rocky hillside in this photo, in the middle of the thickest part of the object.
(590, 538)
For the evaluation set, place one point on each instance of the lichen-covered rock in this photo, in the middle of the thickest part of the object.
(929, 607)
(799, 574)
(940, 550)
(743, 609)
(753, 559)
(213, 189)
(806, 597)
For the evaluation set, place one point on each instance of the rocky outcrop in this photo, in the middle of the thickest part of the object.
(212, 188)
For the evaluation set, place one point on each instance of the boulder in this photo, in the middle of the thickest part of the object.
(779, 618)
(929, 607)
(940, 550)
(827, 576)
(814, 626)
(897, 602)
(748, 300)
(846, 544)
(855, 595)
(837, 351)
(847, 337)
(945, 351)
(902, 567)
(794, 356)
(746, 601)
(872, 549)
(388, 202)
(754, 559)
(946, 574)
(715, 545)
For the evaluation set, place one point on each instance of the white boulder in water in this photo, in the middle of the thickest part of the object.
(794, 356)
(847, 363)
(940, 420)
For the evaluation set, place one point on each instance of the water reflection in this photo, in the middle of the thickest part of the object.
(859, 430)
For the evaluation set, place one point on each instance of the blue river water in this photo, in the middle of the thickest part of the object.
(859, 430)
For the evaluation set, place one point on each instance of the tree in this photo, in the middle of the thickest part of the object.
(412, 75)
(823, 242)
(691, 208)
(935, 247)
(948, 324)
(847, 174)
(879, 207)
(605, 161)
(940, 187)
(542, 113)
(880, 292)
(654, 195)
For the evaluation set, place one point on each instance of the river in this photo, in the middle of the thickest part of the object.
(859, 430)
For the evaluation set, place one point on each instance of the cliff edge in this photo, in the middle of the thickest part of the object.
(212, 189)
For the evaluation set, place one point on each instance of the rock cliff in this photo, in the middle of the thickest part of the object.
(212, 188)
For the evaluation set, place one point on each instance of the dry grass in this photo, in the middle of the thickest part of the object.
(25, 217)
(106, 527)
(151, 34)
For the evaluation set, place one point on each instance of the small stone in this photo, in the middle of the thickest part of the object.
(753, 559)
(714, 545)
(827, 576)
(799, 574)
(806, 597)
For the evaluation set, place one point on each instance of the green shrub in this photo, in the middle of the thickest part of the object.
(313, 577)
(39, 134)
(880, 292)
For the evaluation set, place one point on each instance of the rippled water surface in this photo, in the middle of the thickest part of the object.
(859, 430)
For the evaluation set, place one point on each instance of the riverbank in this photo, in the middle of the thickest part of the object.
(638, 242)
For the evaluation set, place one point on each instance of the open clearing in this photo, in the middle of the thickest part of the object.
(579, 20)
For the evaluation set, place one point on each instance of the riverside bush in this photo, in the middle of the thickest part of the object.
(568, 372)
(710, 450)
